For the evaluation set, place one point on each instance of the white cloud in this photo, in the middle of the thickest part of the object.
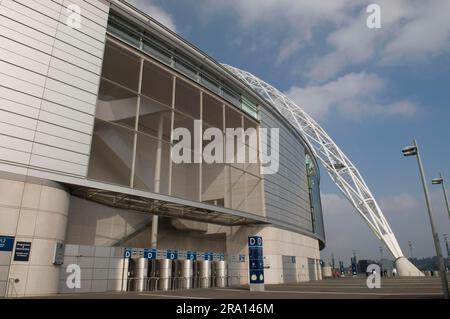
(412, 30)
(155, 12)
(296, 20)
(352, 96)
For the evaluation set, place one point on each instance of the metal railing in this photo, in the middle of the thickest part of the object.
(182, 283)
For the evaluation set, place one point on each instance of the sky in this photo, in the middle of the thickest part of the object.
(372, 90)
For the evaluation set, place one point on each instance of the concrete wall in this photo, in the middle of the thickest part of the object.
(37, 214)
(276, 244)
(102, 269)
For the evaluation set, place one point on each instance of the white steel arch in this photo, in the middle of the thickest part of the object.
(341, 170)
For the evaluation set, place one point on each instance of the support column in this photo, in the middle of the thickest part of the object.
(157, 185)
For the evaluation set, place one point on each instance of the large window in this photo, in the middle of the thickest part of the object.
(116, 104)
(132, 140)
(121, 66)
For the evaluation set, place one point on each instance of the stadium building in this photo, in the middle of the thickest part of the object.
(87, 114)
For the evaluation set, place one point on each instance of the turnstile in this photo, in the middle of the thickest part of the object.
(186, 272)
(220, 273)
(164, 273)
(203, 273)
(137, 274)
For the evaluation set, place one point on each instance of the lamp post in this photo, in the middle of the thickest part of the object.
(446, 245)
(414, 151)
(440, 181)
(410, 249)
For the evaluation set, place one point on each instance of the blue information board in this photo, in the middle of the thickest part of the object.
(22, 252)
(6, 243)
(172, 254)
(256, 260)
(191, 255)
(150, 253)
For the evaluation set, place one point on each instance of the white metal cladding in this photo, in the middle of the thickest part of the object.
(341, 170)
(49, 78)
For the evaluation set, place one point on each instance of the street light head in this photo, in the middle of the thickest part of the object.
(437, 181)
(409, 151)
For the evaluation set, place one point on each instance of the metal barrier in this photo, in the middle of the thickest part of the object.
(152, 284)
(131, 280)
(178, 283)
(10, 287)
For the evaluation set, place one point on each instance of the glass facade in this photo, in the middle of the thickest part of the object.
(139, 104)
(143, 41)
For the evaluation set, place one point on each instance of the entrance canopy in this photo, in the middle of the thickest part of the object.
(169, 207)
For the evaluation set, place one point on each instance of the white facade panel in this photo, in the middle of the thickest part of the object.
(28, 16)
(71, 91)
(64, 121)
(25, 29)
(15, 143)
(80, 35)
(19, 97)
(54, 5)
(18, 108)
(67, 112)
(24, 86)
(35, 5)
(49, 75)
(83, 55)
(75, 70)
(61, 143)
(35, 54)
(13, 156)
(64, 132)
(60, 54)
(73, 80)
(22, 73)
(17, 120)
(54, 152)
(14, 130)
(69, 101)
(23, 61)
(75, 43)
(57, 165)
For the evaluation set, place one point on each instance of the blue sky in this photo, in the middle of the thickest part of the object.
(373, 91)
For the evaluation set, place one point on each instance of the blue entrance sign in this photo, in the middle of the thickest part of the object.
(150, 253)
(172, 254)
(191, 255)
(6, 243)
(256, 260)
(127, 253)
(209, 256)
(22, 252)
